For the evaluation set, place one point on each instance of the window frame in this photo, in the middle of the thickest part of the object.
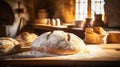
(90, 12)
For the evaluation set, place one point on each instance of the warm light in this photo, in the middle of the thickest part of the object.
(97, 6)
(81, 9)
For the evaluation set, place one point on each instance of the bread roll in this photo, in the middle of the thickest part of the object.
(92, 38)
(97, 35)
(89, 30)
(99, 30)
(58, 42)
(8, 46)
(26, 38)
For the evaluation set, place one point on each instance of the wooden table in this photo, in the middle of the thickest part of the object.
(112, 59)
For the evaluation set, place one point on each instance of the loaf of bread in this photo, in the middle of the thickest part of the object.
(99, 30)
(8, 46)
(96, 35)
(89, 30)
(58, 42)
(26, 38)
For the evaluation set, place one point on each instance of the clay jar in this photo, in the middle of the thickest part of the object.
(98, 20)
(78, 23)
(87, 23)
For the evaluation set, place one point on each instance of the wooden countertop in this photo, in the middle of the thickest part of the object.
(99, 54)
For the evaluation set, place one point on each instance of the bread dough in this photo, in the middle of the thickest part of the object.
(58, 42)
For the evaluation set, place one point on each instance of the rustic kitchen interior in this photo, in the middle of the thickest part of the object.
(65, 33)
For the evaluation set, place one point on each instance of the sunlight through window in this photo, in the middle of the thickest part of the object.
(96, 6)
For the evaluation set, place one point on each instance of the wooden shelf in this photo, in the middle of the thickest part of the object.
(78, 31)
(47, 27)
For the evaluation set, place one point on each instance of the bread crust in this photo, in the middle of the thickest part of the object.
(8, 46)
(26, 38)
(96, 36)
(58, 42)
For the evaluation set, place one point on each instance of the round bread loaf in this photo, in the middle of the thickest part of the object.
(89, 30)
(26, 38)
(95, 35)
(58, 42)
(8, 46)
(99, 30)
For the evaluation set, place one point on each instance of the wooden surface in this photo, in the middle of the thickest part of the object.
(99, 55)
(78, 31)
(110, 55)
(114, 36)
(48, 27)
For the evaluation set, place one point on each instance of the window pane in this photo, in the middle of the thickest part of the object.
(77, 17)
(97, 6)
(81, 9)
(77, 7)
(77, 0)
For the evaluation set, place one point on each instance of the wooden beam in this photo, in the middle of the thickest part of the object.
(89, 8)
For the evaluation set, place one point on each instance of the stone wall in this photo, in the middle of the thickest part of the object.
(62, 9)
(112, 11)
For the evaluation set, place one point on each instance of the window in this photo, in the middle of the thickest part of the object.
(87, 8)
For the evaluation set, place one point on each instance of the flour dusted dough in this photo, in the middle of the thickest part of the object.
(26, 38)
(58, 42)
(8, 46)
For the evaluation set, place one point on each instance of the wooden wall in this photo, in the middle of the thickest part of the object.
(112, 11)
